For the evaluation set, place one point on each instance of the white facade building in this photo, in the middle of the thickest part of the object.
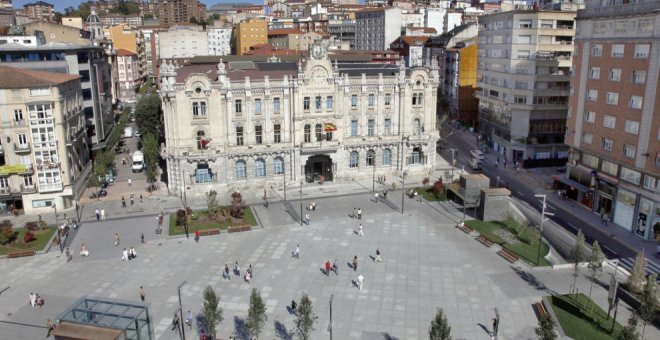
(377, 28)
(272, 123)
(128, 75)
(182, 42)
(219, 40)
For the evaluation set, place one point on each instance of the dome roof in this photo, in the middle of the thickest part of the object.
(93, 18)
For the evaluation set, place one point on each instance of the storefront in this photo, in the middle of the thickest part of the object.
(624, 209)
(647, 217)
(605, 188)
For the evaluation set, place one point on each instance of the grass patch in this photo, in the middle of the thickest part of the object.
(42, 236)
(581, 319)
(429, 195)
(199, 222)
(526, 248)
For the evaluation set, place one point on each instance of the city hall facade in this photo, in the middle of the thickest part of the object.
(269, 124)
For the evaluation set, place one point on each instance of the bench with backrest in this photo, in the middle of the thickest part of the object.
(508, 255)
(485, 241)
(540, 310)
(23, 253)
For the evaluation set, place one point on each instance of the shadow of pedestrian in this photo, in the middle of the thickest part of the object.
(373, 258)
(240, 329)
(485, 329)
(281, 332)
(532, 280)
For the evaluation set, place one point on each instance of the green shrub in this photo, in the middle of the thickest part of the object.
(7, 233)
(180, 217)
(29, 237)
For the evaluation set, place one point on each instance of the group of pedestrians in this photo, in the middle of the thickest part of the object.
(311, 207)
(128, 254)
(249, 274)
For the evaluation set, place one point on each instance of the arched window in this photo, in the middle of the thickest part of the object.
(355, 158)
(240, 169)
(202, 141)
(387, 157)
(260, 167)
(318, 131)
(416, 126)
(371, 158)
(278, 166)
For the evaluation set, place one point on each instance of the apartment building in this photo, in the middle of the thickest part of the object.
(524, 61)
(614, 115)
(249, 33)
(182, 42)
(459, 69)
(377, 28)
(44, 159)
(128, 75)
(172, 12)
(40, 10)
(219, 40)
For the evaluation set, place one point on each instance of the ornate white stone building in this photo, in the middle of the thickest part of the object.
(242, 124)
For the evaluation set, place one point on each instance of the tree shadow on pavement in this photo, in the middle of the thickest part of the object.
(281, 332)
(532, 281)
(240, 329)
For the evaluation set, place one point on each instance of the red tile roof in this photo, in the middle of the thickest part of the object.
(16, 78)
(122, 52)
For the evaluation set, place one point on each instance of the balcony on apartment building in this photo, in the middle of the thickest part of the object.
(28, 189)
(5, 191)
(50, 187)
(22, 148)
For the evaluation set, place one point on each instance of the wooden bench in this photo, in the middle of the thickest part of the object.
(507, 255)
(465, 228)
(23, 253)
(485, 241)
(539, 309)
(239, 228)
(208, 232)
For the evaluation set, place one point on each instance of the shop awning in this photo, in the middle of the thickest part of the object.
(572, 183)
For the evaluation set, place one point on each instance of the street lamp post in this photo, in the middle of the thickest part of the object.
(403, 186)
(373, 178)
(59, 231)
(330, 327)
(453, 162)
(301, 209)
(183, 329)
(284, 180)
(543, 214)
(184, 200)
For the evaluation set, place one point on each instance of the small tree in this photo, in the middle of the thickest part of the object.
(211, 311)
(7, 233)
(439, 188)
(237, 205)
(440, 329)
(636, 277)
(577, 255)
(595, 263)
(426, 181)
(212, 203)
(306, 317)
(546, 328)
(648, 302)
(151, 153)
(630, 331)
(256, 314)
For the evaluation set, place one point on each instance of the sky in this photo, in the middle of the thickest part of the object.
(60, 5)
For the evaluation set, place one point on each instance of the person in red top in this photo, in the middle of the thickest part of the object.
(327, 268)
(196, 235)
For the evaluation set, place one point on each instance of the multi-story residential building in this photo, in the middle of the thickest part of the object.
(319, 25)
(614, 117)
(127, 37)
(6, 4)
(523, 73)
(377, 28)
(219, 40)
(411, 48)
(292, 39)
(40, 10)
(182, 42)
(90, 62)
(52, 32)
(273, 123)
(44, 160)
(131, 20)
(172, 12)
(459, 70)
(128, 75)
(250, 33)
(343, 30)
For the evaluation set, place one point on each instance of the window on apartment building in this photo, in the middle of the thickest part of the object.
(526, 23)
(354, 128)
(417, 127)
(202, 142)
(632, 126)
(592, 95)
(630, 175)
(651, 183)
(371, 100)
(417, 99)
(387, 126)
(607, 144)
(42, 91)
(594, 72)
(306, 103)
(524, 39)
(387, 157)
(238, 106)
(371, 158)
(615, 74)
(642, 50)
(609, 121)
(307, 133)
(523, 54)
(587, 137)
(329, 103)
(608, 167)
(277, 133)
(612, 98)
(318, 132)
(520, 99)
(629, 150)
(257, 106)
(258, 133)
(318, 102)
(199, 109)
(590, 116)
(597, 50)
(617, 50)
(355, 159)
(18, 116)
(371, 127)
(636, 102)
(278, 166)
(354, 101)
(260, 167)
(522, 85)
(276, 105)
(388, 99)
(639, 77)
(239, 135)
(240, 170)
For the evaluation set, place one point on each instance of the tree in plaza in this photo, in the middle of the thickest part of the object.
(630, 331)
(577, 255)
(147, 114)
(595, 263)
(648, 301)
(211, 311)
(440, 329)
(305, 318)
(546, 328)
(151, 154)
(636, 277)
(102, 163)
(256, 314)
(212, 204)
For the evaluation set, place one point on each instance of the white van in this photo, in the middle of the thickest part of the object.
(477, 154)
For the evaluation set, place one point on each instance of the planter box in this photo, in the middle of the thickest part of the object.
(239, 228)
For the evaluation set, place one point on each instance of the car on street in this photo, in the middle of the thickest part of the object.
(137, 133)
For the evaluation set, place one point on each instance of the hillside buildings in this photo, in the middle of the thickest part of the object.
(250, 33)
(377, 28)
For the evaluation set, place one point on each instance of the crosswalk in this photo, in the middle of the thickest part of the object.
(651, 267)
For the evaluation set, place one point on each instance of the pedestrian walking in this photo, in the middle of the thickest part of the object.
(313, 205)
(354, 215)
(175, 321)
(327, 268)
(335, 267)
(116, 239)
(360, 281)
(141, 238)
(103, 214)
(132, 201)
(225, 273)
(307, 219)
(196, 235)
(606, 218)
(355, 263)
(140, 198)
(142, 295)
(68, 255)
(237, 269)
(378, 259)
(131, 253)
(359, 213)
(124, 255)
(496, 324)
(98, 215)
(123, 202)
(385, 194)
(189, 319)
(51, 327)
(296, 252)
(130, 182)
(376, 197)
(265, 198)
(360, 232)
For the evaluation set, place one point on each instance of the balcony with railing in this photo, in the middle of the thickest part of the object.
(50, 187)
(22, 148)
(27, 169)
(28, 189)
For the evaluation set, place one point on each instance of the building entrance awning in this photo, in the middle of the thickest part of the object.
(573, 184)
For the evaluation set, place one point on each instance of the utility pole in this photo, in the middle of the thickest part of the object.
(301, 210)
(183, 329)
(403, 193)
(330, 327)
(543, 214)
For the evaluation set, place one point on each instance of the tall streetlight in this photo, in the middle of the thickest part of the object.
(543, 214)
(284, 179)
(301, 209)
(453, 162)
(183, 329)
(373, 177)
(403, 185)
(330, 327)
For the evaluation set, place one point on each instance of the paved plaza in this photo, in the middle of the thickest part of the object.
(427, 264)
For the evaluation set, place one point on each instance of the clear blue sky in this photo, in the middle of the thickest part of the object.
(60, 5)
